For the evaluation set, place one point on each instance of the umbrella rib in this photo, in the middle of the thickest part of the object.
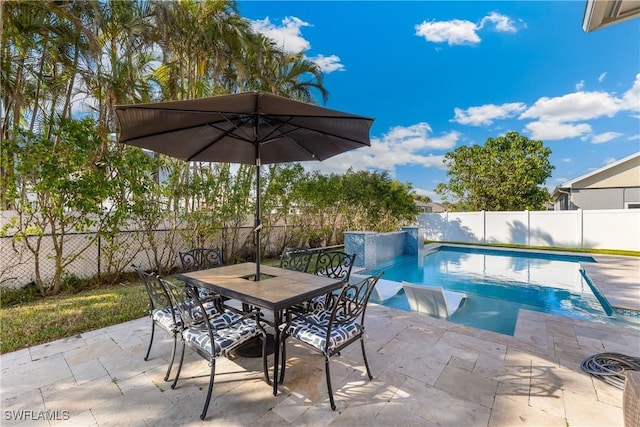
(324, 132)
(206, 147)
(224, 133)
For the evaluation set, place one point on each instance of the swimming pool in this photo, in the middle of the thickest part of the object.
(501, 282)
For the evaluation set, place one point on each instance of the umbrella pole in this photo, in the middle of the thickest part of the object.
(258, 224)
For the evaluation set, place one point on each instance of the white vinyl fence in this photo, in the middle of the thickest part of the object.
(587, 229)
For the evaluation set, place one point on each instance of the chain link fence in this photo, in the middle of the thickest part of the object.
(89, 256)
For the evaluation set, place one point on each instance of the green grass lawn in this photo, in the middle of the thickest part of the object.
(62, 316)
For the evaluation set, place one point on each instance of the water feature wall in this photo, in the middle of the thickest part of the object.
(372, 248)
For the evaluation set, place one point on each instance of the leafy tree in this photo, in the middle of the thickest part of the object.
(381, 203)
(131, 179)
(505, 174)
(59, 190)
(279, 206)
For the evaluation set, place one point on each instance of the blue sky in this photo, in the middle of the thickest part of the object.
(437, 75)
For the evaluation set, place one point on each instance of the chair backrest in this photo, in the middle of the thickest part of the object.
(297, 259)
(334, 264)
(186, 301)
(351, 304)
(158, 297)
(200, 259)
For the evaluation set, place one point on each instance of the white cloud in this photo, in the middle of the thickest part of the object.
(463, 32)
(551, 130)
(455, 32)
(288, 36)
(602, 76)
(605, 137)
(608, 161)
(486, 114)
(502, 23)
(631, 98)
(634, 137)
(573, 107)
(327, 64)
(580, 85)
(561, 117)
(401, 146)
(566, 160)
(564, 116)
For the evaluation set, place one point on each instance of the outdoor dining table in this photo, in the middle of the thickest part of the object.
(277, 290)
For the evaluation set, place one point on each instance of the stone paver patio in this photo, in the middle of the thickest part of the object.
(427, 372)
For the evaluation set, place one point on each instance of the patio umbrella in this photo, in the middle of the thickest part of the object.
(253, 128)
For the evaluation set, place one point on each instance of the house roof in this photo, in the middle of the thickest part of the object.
(602, 13)
(569, 184)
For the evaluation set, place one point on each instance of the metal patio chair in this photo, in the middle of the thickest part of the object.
(201, 259)
(211, 337)
(161, 312)
(297, 259)
(333, 264)
(328, 331)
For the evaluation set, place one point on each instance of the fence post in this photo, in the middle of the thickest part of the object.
(99, 254)
(445, 233)
(528, 227)
(579, 220)
(484, 226)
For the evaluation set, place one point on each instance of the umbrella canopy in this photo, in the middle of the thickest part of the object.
(251, 128)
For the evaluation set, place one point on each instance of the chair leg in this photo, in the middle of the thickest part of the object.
(364, 356)
(326, 366)
(175, 381)
(173, 356)
(283, 357)
(208, 399)
(265, 368)
(153, 329)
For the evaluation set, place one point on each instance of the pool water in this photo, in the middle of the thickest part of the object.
(498, 283)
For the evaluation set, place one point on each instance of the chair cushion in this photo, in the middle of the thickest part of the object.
(226, 338)
(225, 319)
(317, 303)
(163, 318)
(312, 329)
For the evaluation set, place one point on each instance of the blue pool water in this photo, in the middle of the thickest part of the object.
(499, 283)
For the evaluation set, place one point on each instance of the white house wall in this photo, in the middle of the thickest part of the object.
(598, 198)
(626, 174)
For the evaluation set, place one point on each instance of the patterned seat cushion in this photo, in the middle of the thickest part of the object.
(226, 337)
(312, 329)
(163, 317)
(317, 303)
(204, 294)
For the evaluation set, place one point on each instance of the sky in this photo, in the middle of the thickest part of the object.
(437, 75)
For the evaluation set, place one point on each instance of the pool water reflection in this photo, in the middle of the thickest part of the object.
(499, 283)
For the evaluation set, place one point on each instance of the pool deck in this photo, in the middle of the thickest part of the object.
(618, 280)
(426, 372)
